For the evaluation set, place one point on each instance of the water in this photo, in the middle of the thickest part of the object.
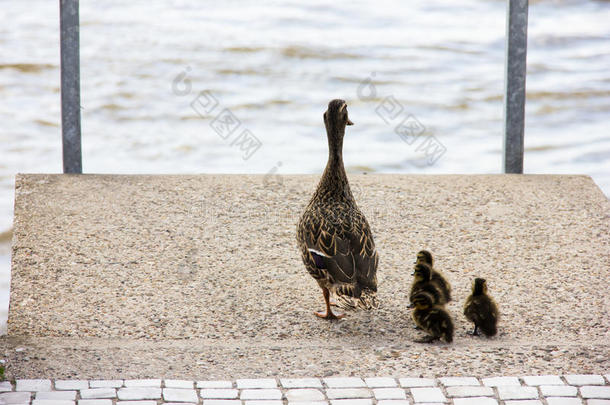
(275, 66)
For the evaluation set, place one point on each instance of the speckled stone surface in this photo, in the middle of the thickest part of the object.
(199, 276)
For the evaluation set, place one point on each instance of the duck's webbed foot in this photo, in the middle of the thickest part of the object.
(427, 339)
(328, 314)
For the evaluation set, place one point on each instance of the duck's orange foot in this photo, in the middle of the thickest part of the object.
(426, 339)
(328, 315)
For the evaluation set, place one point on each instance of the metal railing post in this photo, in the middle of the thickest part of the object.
(70, 86)
(514, 85)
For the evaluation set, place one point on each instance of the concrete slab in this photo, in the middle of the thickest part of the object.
(199, 277)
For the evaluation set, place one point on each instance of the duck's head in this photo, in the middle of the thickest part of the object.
(421, 272)
(335, 117)
(422, 300)
(479, 286)
(423, 256)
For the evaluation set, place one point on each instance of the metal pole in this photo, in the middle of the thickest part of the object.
(514, 81)
(70, 86)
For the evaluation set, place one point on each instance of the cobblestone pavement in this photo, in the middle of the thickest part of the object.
(587, 389)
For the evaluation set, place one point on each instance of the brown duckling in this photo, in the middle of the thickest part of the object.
(431, 318)
(424, 256)
(422, 281)
(481, 309)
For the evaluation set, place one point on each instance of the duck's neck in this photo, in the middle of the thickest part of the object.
(334, 180)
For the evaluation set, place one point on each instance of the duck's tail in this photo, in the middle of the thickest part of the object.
(367, 300)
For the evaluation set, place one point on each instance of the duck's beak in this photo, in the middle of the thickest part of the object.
(349, 122)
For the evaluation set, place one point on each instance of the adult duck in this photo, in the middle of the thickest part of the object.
(333, 235)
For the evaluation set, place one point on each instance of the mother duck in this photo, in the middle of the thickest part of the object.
(334, 237)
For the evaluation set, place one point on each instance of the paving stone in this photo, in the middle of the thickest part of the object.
(598, 392)
(563, 401)
(453, 381)
(257, 394)
(475, 401)
(500, 381)
(304, 394)
(558, 390)
(416, 382)
(52, 402)
(98, 393)
(542, 380)
(510, 392)
(264, 402)
(178, 384)
(137, 403)
(598, 402)
(138, 393)
(428, 395)
(100, 402)
(33, 385)
(477, 391)
(65, 395)
(351, 402)
(221, 402)
(143, 383)
(215, 384)
(380, 382)
(180, 403)
(6, 386)
(584, 379)
(180, 395)
(394, 402)
(389, 393)
(430, 403)
(344, 382)
(256, 383)
(346, 393)
(71, 384)
(219, 393)
(106, 384)
(524, 402)
(301, 383)
(308, 403)
(15, 397)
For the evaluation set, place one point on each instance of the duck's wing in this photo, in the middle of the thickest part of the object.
(328, 249)
(365, 254)
(341, 245)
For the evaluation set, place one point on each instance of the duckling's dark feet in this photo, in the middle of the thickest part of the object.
(427, 339)
(328, 315)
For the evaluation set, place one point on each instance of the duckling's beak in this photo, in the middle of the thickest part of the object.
(349, 122)
(413, 273)
(411, 305)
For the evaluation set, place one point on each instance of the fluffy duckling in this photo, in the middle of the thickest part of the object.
(424, 256)
(431, 318)
(481, 309)
(422, 281)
